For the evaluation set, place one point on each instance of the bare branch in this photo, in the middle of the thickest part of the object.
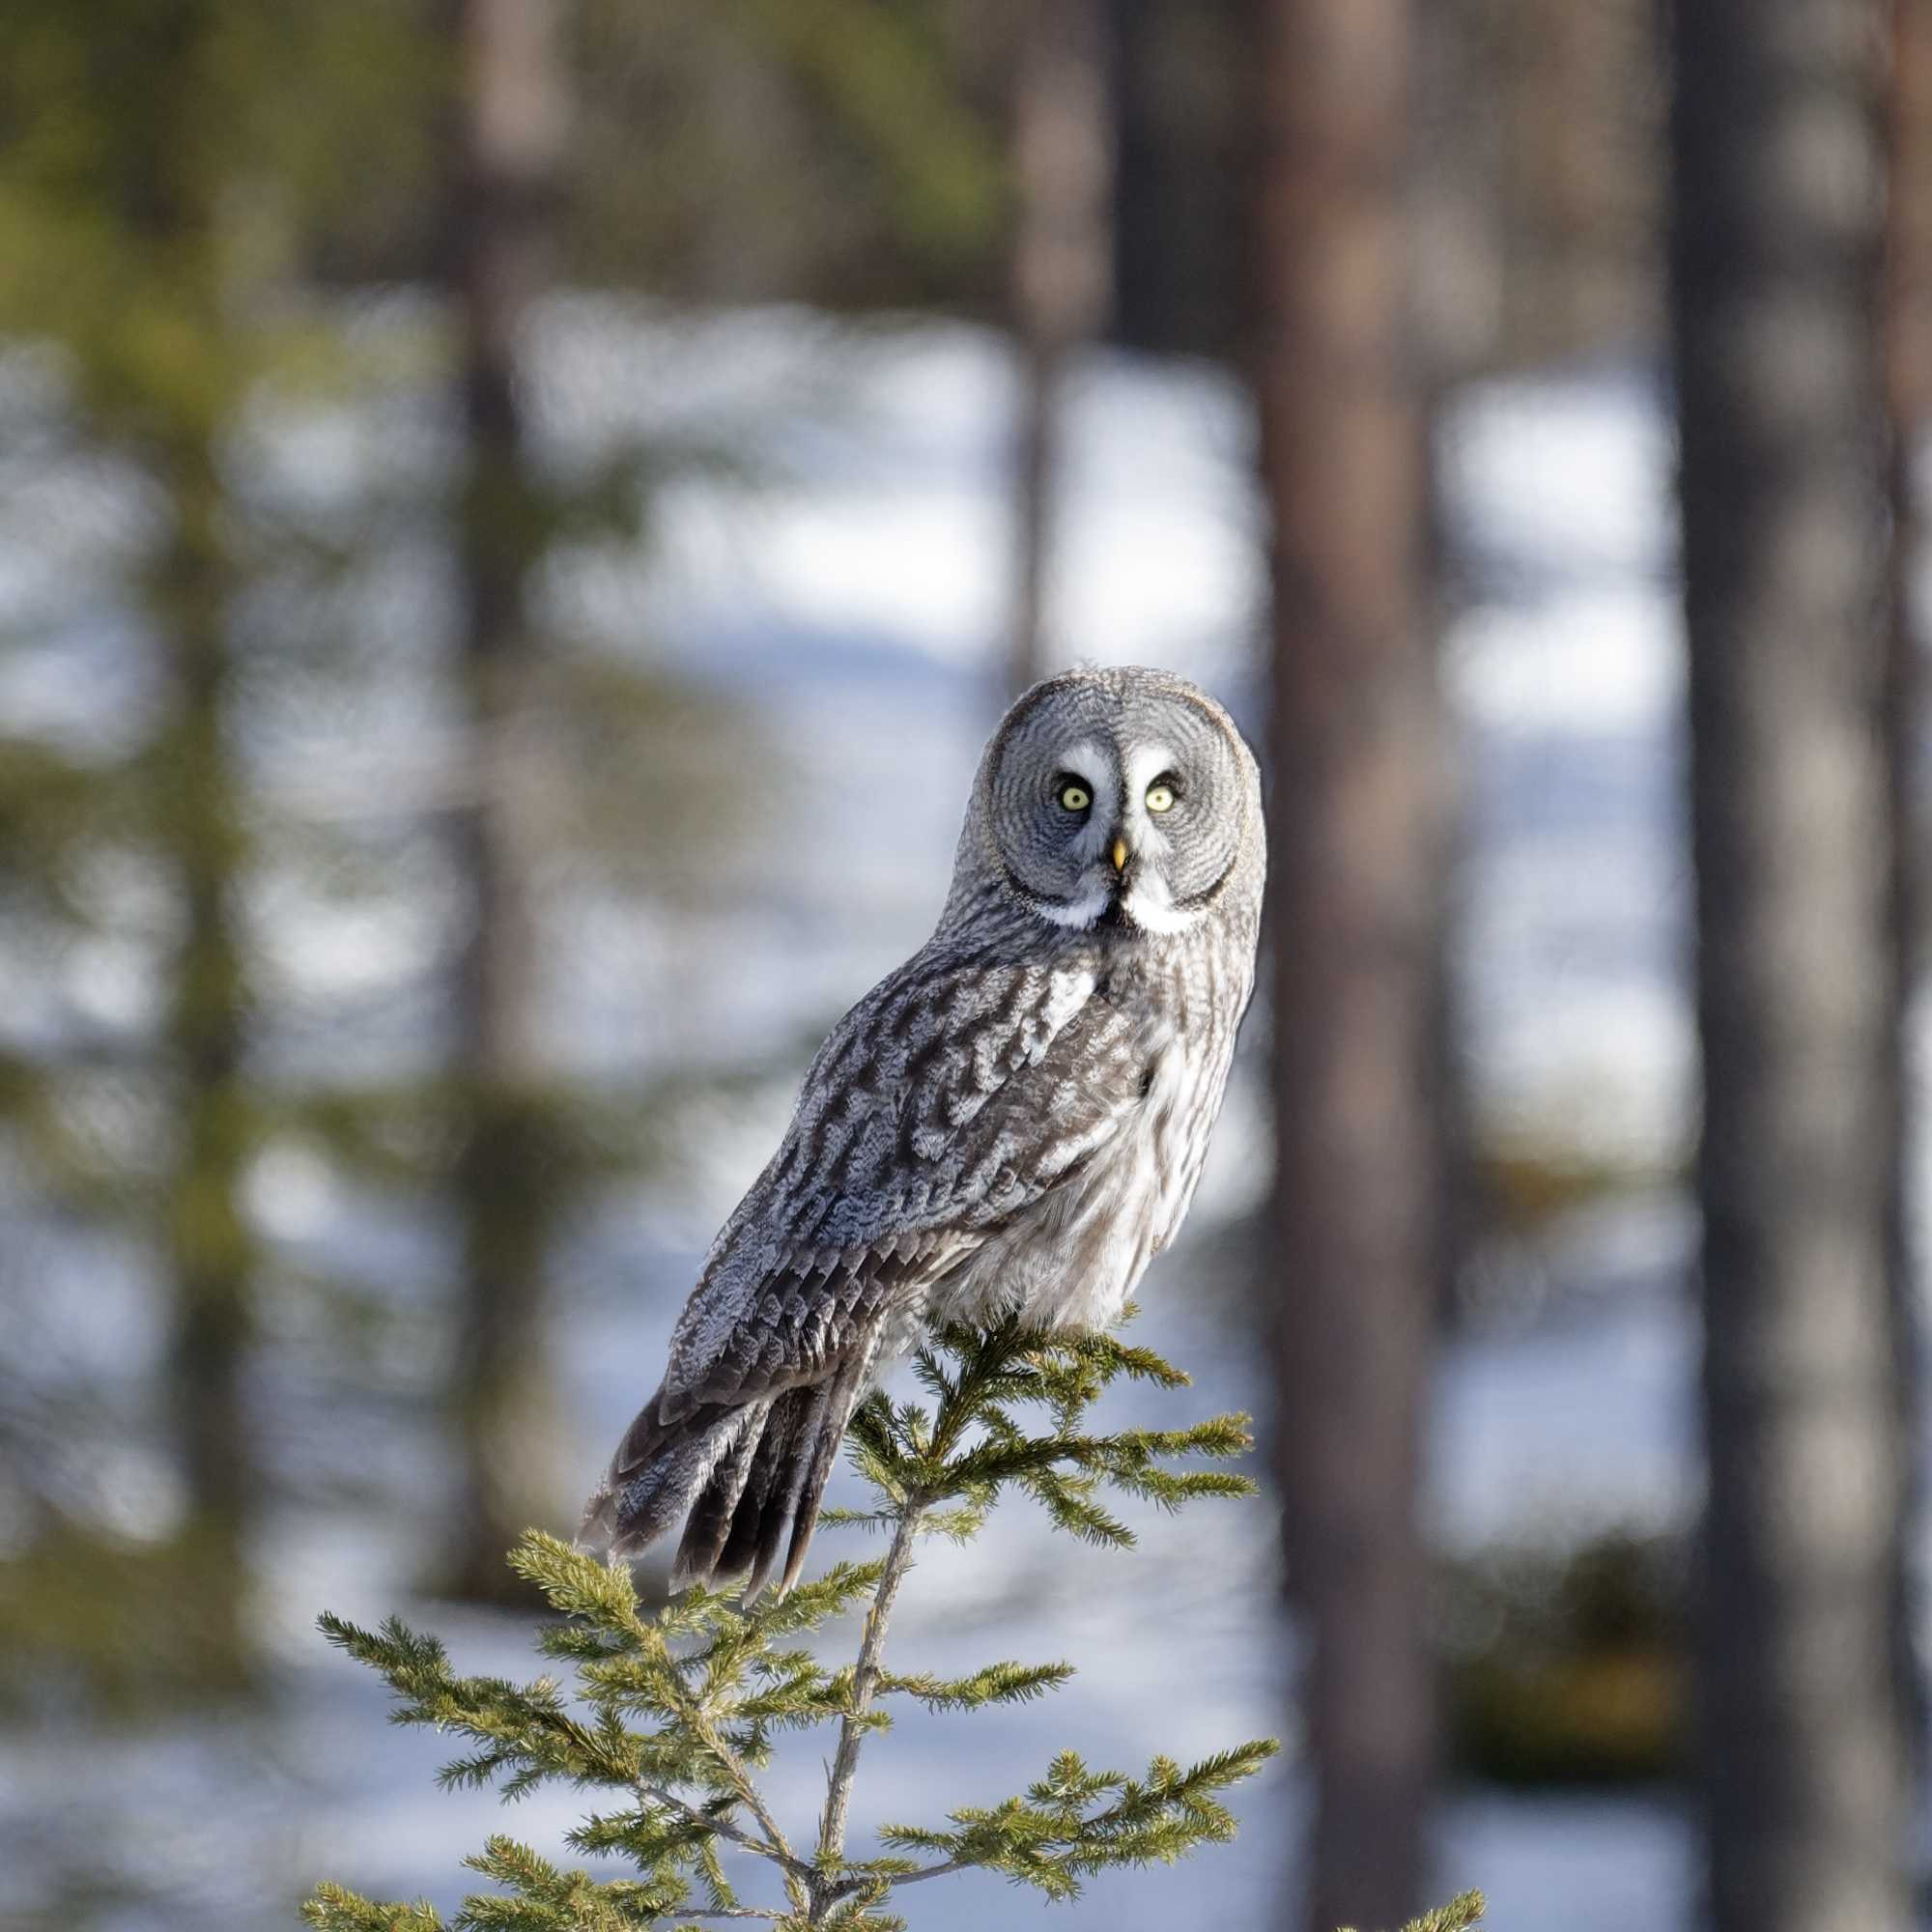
(741, 1779)
(865, 1684)
(773, 1848)
(930, 1871)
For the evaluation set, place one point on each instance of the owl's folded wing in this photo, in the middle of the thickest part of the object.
(926, 1125)
(949, 1101)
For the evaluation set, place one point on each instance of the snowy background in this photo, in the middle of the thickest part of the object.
(846, 600)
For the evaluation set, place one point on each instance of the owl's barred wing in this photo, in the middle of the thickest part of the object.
(953, 1098)
(942, 1105)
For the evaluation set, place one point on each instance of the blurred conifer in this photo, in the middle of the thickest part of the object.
(153, 157)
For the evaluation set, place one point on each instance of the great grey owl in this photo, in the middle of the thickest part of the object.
(1015, 1119)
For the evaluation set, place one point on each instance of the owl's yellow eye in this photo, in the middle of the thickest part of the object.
(1160, 798)
(1075, 797)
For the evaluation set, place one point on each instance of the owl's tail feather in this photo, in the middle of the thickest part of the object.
(761, 1504)
(752, 1478)
(735, 1491)
(658, 1469)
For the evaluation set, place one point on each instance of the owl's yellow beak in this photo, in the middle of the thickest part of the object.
(1119, 855)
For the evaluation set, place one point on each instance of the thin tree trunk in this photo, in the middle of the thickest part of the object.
(1354, 850)
(1062, 251)
(1035, 484)
(1908, 331)
(196, 822)
(210, 1252)
(1908, 348)
(1778, 210)
(512, 121)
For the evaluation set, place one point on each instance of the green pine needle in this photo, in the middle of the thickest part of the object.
(1462, 1914)
(334, 1909)
(994, 1684)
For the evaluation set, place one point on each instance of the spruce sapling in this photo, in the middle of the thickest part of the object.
(674, 1713)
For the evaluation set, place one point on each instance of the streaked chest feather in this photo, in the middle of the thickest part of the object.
(1074, 1258)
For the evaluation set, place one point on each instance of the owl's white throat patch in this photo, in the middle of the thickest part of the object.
(1077, 915)
(1155, 912)
(1145, 905)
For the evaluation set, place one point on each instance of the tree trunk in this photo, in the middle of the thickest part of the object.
(1354, 864)
(1908, 329)
(1779, 214)
(1062, 275)
(209, 1248)
(512, 119)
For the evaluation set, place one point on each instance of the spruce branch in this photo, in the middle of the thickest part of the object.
(1462, 1914)
(673, 1713)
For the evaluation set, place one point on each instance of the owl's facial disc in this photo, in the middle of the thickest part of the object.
(1121, 814)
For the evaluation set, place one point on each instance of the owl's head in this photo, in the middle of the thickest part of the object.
(1121, 797)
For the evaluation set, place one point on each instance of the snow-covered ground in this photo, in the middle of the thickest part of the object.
(851, 599)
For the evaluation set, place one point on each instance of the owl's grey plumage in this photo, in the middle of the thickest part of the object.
(1016, 1117)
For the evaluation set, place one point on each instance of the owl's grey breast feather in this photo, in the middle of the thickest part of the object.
(1016, 1117)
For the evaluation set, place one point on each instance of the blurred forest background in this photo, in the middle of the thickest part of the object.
(516, 517)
